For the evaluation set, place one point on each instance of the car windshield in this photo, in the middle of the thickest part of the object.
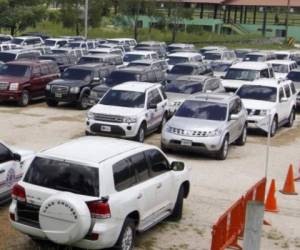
(73, 45)
(254, 58)
(294, 76)
(202, 110)
(17, 41)
(182, 70)
(280, 68)
(221, 67)
(242, 74)
(4, 39)
(177, 59)
(133, 57)
(15, 70)
(261, 93)
(113, 41)
(117, 77)
(84, 60)
(123, 98)
(212, 56)
(183, 87)
(63, 176)
(50, 42)
(240, 53)
(7, 57)
(77, 74)
(282, 56)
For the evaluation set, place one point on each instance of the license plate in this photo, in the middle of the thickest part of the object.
(105, 128)
(58, 95)
(186, 143)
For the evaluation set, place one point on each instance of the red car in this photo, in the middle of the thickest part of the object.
(22, 81)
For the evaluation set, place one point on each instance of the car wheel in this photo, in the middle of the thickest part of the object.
(140, 137)
(291, 119)
(177, 211)
(163, 122)
(52, 103)
(223, 152)
(25, 98)
(243, 137)
(274, 126)
(84, 102)
(127, 236)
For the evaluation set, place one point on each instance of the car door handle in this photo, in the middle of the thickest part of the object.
(2, 171)
(139, 196)
(159, 185)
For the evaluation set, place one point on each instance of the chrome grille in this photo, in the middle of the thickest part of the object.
(108, 118)
(4, 85)
(60, 89)
(253, 111)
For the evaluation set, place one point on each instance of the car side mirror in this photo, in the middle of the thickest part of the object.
(177, 166)
(16, 157)
(152, 106)
(234, 117)
(283, 99)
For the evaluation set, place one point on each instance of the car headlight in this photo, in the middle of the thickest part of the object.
(74, 90)
(129, 119)
(263, 112)
(90, 115)
(48, 87)
(14, 86)
(216, 132)
(168, 128)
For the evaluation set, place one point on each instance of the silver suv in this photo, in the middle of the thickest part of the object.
(207, 123)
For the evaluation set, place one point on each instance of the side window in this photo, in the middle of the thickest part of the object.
(5, 154)
(36, 71)
(293, 88)
(154, 56)
(271, 73)
(124, 175)
(156, 96)
(61, 43)
(163, 93)
(44, 69)
(287, 90)
(158, 163)
(139, 164)
(264, 73)
(281, 94)
(235, 107)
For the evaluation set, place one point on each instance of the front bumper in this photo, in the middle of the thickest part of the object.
(62, 97)
(254, 122)
(10, 95)
(189, 143)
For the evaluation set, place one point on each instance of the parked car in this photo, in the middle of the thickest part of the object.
(179, 90)
(22, 81)
(63, 60)
(294, 76)
(99, 193)
(180, 47)
(42, 49)
(259, 56)
(78, 52)
(139, 55)
(89, 44)
(129, 110)
(245, 73)
(115, 51)
(219, 55)
(28, 41)
(76, 83)
(269, 101)
(128, 43)
(211, 48)
(11, 170)
(220, 68)
(281, 68)
(18, 54)
(112, 46)
(190, 68)
(286, 55)
(42, 35)
(8, 46)
(4, 38)
(110, 59)
(56, 42)
(241, 53)
(158, 47)
(160, 64)
(206, 123)
(183, 57)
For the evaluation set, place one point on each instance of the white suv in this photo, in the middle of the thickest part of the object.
(95, 193)
(10, 169)
(129, 110)
(269, 96)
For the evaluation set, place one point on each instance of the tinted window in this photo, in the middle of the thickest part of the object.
(264, 73)
(50, 42)
(242, 74)
(281, 93)
(158, 163)
(293, 88)
(293, 75)
(15, 70)
(133, 57)
(84, 60)
(212, 56)
(182, 70)
(280, 68)
(120, 77)
(7, 57)
(177, 59)
(183, 87)
(261, 93)
(63, 176)
(287, 90)
(202, 110)
(124, 175)
(77, 74)
(5, 154)
(154, 97)
(140, 165)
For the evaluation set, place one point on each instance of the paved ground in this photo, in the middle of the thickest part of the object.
(215, 184)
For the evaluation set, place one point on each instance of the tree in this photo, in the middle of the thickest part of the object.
(17, 15)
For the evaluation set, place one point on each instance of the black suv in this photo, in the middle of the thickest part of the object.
(140, 74)
(75, 84)
(63, 60)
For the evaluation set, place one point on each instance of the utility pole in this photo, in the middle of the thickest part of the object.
(287, 20)
(86, 11)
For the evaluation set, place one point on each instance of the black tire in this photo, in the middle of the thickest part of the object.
(25, 99)
(125, 241)
(163, 122)
(274, 127)
(51, 103)
(177, 211)
(243, 137)
(291, 119)
(83, 103)
(223, 152)
(140, 137)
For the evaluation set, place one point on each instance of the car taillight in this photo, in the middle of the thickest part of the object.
(99, 209)
(18, 193)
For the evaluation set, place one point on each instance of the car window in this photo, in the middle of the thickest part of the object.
(287, 90)
(293, 88)
(124, 175)
(163, 93)
(281, 93)
(264, 73)
(5, 154)
(158, 163)
(139, 164)
(154, 97)
(235, 106)
(44, 69)
(36, 70)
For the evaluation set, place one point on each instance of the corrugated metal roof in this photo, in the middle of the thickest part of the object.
(293, 3)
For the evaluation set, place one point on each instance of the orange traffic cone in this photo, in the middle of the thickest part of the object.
(298, 178)
(289, 185)
(271, 203)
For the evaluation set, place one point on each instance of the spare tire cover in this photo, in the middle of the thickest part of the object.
(64, 218)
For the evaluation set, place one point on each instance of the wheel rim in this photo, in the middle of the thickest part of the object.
(141, 135)
(225, 148)
(25, 99)
(127, 239)
(84, 102)
(273, 128)
(164, 121)
(292, 118)
(244, 135)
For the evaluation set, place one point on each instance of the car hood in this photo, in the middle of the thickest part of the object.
(69, 83)
(176, 97)
(234, 83)
(115, 110)
(11, 79)
(256, 104)
(194, 124)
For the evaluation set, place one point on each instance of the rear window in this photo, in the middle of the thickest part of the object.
(63, 176)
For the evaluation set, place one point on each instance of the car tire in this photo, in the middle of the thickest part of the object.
(223, 152)
(127, 236)
(177, 211)
(83, 103)
(291, 119)
(163, 122)
(243, 137)
(140, 136)
(25, 99)
(274, 127)
(52, 103)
